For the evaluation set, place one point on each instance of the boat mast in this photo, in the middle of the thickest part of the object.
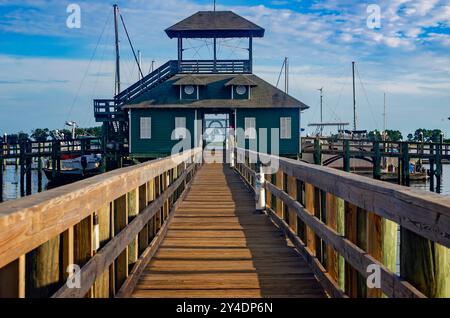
(354, 97)
(286, 75)
(140, 64)
(321, 109)
(384, 114)
(116, 31)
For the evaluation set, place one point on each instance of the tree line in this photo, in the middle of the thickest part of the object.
(45, 134)
(429, 135)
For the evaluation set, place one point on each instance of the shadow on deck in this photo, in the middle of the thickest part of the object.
(217, 246)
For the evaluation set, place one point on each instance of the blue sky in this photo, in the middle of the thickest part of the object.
(47, 76)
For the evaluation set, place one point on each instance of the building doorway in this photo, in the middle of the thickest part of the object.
(216, 134)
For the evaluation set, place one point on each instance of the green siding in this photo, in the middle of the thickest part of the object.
(163, 124)
(270, 118)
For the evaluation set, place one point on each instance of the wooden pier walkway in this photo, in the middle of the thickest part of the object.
(217, 246)
(176, 227)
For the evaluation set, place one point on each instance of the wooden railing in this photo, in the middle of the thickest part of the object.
(109, 226)
(211, 66)
(395, 149)
(346, 227)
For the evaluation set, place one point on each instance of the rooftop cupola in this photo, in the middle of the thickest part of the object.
(215, 25)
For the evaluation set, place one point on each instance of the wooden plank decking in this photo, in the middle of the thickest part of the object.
(216, 246)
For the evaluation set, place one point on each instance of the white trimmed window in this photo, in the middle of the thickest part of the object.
(180, 127)
(146, 128)
(285, 128)
(250, 128)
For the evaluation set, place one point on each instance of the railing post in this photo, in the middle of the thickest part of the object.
(335, 220)
(260, 194)
(351, 233)
(280, 185)
(2, 167)
(268, 179)
(150, 198)
(103, 287)
(120, 222)
(311, 209)
(133, 211)
(292, 191)
(143, 235)
(12, 279)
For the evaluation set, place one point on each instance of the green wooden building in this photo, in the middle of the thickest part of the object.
(190, 101)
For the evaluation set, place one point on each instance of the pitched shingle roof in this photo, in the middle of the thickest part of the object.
(243, 80)
(219, 24)
(189, 80)
(215, 95)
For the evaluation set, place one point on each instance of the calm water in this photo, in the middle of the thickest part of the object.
(11, 183)
(445, 188)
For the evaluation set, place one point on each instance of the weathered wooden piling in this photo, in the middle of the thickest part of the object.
(432, 171)
(346, 156)
(438, 159)
(376, 161)
(2, 168)
(29, 170)
(317, 152)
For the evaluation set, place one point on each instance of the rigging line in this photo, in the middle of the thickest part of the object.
(207, 46)
(367, 99)
(236, 47)
(281, 73)
(233, 50)
(100, 69)
(87, 69)
(340, 93)
(335, 115)
(196, 50)
(131, 44)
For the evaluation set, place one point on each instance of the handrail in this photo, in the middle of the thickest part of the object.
(128, 199)
(315, 205)
(131, 92)
(186, 66)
